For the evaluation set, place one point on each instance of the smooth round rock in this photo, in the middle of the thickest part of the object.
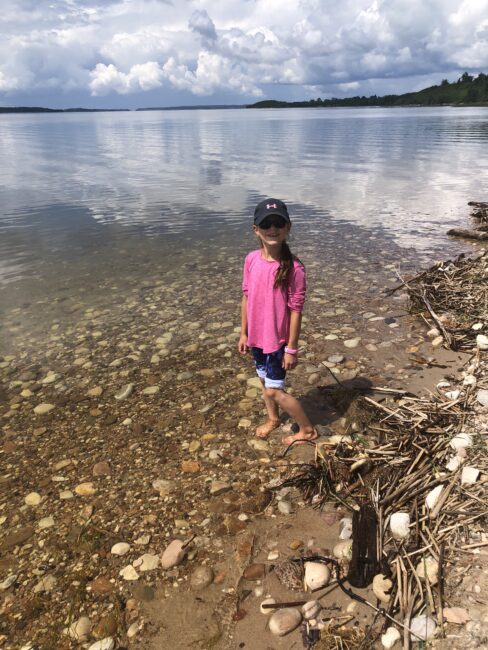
(42, 409)
(284, 621)
(85, 489)
(121, 548)
(33, 499)
(202, 577)
(173, 554)
(80, 629)
(104, 644)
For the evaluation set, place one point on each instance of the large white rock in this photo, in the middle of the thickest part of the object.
(482, 342)
(33, 499)
(42, 409)
(284, 621)
(433, 496)
(482, 397)
(147, 562)
(317, 575)
(400, 525)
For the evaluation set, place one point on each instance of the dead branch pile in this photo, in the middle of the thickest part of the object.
(452, 297)
(420, 457)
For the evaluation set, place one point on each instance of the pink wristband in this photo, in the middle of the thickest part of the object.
(290, 350)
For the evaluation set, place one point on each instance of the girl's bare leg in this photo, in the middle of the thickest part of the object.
(273, 421)
(294, 409)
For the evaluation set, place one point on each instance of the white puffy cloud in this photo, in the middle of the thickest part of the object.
(238, 48)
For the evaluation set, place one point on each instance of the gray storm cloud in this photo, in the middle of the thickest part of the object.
(124, 47)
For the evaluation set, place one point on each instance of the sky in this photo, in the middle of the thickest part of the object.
(146, 53)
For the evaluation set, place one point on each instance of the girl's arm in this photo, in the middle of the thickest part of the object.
(242, 345)
(291, 360)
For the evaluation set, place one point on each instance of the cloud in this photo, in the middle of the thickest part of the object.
(141, 77)
(239, 48)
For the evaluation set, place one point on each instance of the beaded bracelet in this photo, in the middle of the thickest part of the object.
(290, 350)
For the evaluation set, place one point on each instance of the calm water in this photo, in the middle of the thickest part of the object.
(84, 196)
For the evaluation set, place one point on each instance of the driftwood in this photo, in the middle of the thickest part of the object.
(363, 566)
(480, 235)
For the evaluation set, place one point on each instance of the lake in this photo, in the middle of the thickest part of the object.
(90, 200)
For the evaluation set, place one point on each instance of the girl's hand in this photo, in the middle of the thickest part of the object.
(242, 345)
(289, 361)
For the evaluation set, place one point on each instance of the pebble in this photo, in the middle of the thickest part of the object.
(146, 562)
(143, 540)
(352, 343)
(129, 573)
(150, 390)
(469, 475)
(285, 507)
(132, 630)
(482, 342)
(101, 469)
(267, 610)
(423, 626)
(163, 486)
(124, 392)
(219, 487)
(33, 499)
(254, 571)
(201, 577)
(8, 582)
(80, 629)
(336, 358)
(284, 621)
(173, 554)
(121, 548)
(85, 489)
(482, 397)
(104, 644)
(258, 444)
(42, 409)
(45, 585)
(45, 522)
(66, 494)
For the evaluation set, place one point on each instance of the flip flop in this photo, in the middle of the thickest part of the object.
(299, 440)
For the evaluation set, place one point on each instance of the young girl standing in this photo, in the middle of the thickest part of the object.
(271, 314)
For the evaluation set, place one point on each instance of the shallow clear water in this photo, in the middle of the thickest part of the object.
(89, 197)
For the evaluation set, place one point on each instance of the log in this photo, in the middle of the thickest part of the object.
(364, 564)
(468, 234)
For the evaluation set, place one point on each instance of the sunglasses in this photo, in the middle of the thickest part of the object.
(270, 223)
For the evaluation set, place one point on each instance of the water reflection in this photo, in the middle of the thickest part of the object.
(409, 172)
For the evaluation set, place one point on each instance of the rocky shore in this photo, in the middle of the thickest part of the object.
(125, 429)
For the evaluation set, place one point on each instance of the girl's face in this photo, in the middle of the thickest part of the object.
(273, 231)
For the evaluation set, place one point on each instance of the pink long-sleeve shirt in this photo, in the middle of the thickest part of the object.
(268, 309)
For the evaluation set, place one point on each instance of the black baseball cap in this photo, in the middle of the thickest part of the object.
(268, 207)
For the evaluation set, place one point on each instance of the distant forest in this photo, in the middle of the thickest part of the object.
(466, 90)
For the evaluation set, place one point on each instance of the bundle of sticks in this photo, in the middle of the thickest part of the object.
(452, 297)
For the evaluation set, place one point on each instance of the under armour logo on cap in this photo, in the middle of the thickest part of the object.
(268, 207)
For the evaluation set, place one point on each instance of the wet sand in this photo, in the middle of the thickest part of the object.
(168, 329)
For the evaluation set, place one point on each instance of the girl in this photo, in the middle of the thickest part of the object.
(271, 314)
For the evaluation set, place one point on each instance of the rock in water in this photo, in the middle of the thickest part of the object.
(284, 621)
(80, 629)
(173, 554)
(202, 577)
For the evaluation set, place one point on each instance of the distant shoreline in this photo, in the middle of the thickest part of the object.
(269, 105)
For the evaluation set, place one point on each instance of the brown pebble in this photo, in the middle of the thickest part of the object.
(219, 578)
(254, 572)
(101, 585)
(101, 469)
(107, 626)
(295, 544)
(190, 466)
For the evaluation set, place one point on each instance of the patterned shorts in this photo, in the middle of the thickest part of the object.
(269, 367)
